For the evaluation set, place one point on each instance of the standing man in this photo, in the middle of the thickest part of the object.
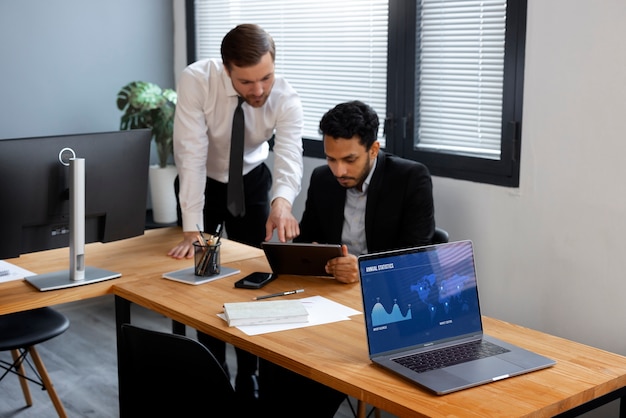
(209, 93)
(368, 201)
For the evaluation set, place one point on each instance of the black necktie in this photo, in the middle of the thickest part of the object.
(235, 202)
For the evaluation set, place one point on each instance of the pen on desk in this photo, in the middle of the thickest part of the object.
(273, 295)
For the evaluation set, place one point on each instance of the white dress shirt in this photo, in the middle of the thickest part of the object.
(353, 232)
(202, 131)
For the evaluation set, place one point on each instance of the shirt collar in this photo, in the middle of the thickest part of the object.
(366, 182)
(228, 84)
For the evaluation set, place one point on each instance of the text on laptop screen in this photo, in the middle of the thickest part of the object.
(417, 296)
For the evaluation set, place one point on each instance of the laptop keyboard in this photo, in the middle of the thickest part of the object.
(450, 356)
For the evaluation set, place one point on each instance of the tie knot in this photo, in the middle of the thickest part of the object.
(240, 101)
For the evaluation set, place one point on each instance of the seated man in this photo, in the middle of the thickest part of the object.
(366, 200)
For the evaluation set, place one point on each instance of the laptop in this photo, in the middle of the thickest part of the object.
(422, 303)
(299, 258)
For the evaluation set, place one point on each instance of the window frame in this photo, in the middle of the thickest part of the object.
(399, 121)
(505, 171)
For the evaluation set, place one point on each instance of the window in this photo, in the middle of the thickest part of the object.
(327, 57)
(462, 60)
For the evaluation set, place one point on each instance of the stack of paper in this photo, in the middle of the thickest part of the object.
(265, 312)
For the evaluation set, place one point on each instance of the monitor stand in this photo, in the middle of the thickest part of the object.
(61, 279)
(78, 274)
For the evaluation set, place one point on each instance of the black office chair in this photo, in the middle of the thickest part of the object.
(441, 236)
(164, 374)
(19, 333)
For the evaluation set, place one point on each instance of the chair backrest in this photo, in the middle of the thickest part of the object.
(440, 236)
(164, 374)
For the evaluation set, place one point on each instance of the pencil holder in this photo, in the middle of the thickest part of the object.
(206, 259)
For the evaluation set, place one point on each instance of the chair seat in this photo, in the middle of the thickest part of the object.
(28, 328)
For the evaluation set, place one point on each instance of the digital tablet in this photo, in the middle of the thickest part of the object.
(298, 258)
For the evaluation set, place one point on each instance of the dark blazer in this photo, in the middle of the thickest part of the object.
(399, 211)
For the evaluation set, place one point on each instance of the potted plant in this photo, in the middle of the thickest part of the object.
(146, 105)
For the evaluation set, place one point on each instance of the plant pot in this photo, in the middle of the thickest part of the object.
(162, 194)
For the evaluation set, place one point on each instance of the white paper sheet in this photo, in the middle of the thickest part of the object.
(321, 311)
(10, 272)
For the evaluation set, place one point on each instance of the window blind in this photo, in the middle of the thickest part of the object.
(329, 51)
(459, 73)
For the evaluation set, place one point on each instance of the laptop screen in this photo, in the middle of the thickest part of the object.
(414, 297)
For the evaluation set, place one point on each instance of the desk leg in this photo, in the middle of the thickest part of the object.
(361, 409)
(122, 316)
(178, 328)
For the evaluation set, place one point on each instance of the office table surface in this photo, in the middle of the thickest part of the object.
(336, 354)
(134, 258)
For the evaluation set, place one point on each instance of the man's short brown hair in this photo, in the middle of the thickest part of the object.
(245, 44)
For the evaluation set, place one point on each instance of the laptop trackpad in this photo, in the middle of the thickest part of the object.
(485, 369)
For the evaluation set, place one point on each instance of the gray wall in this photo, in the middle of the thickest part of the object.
(64, 61)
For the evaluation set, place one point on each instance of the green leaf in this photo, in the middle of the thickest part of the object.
(146, 105)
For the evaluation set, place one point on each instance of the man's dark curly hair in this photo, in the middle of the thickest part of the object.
(349, 119)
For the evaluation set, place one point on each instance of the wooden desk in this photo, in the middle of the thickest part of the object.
(584, 377)
(135, 258)
(336, 354)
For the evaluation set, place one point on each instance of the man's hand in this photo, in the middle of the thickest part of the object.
(184, 249)
(282, 220)
(345, 268)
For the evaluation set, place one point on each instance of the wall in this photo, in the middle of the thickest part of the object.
(63, 62)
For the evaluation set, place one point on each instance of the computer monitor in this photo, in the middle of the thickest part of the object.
(60, 190)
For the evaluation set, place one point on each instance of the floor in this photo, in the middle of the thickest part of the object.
(82, 364)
